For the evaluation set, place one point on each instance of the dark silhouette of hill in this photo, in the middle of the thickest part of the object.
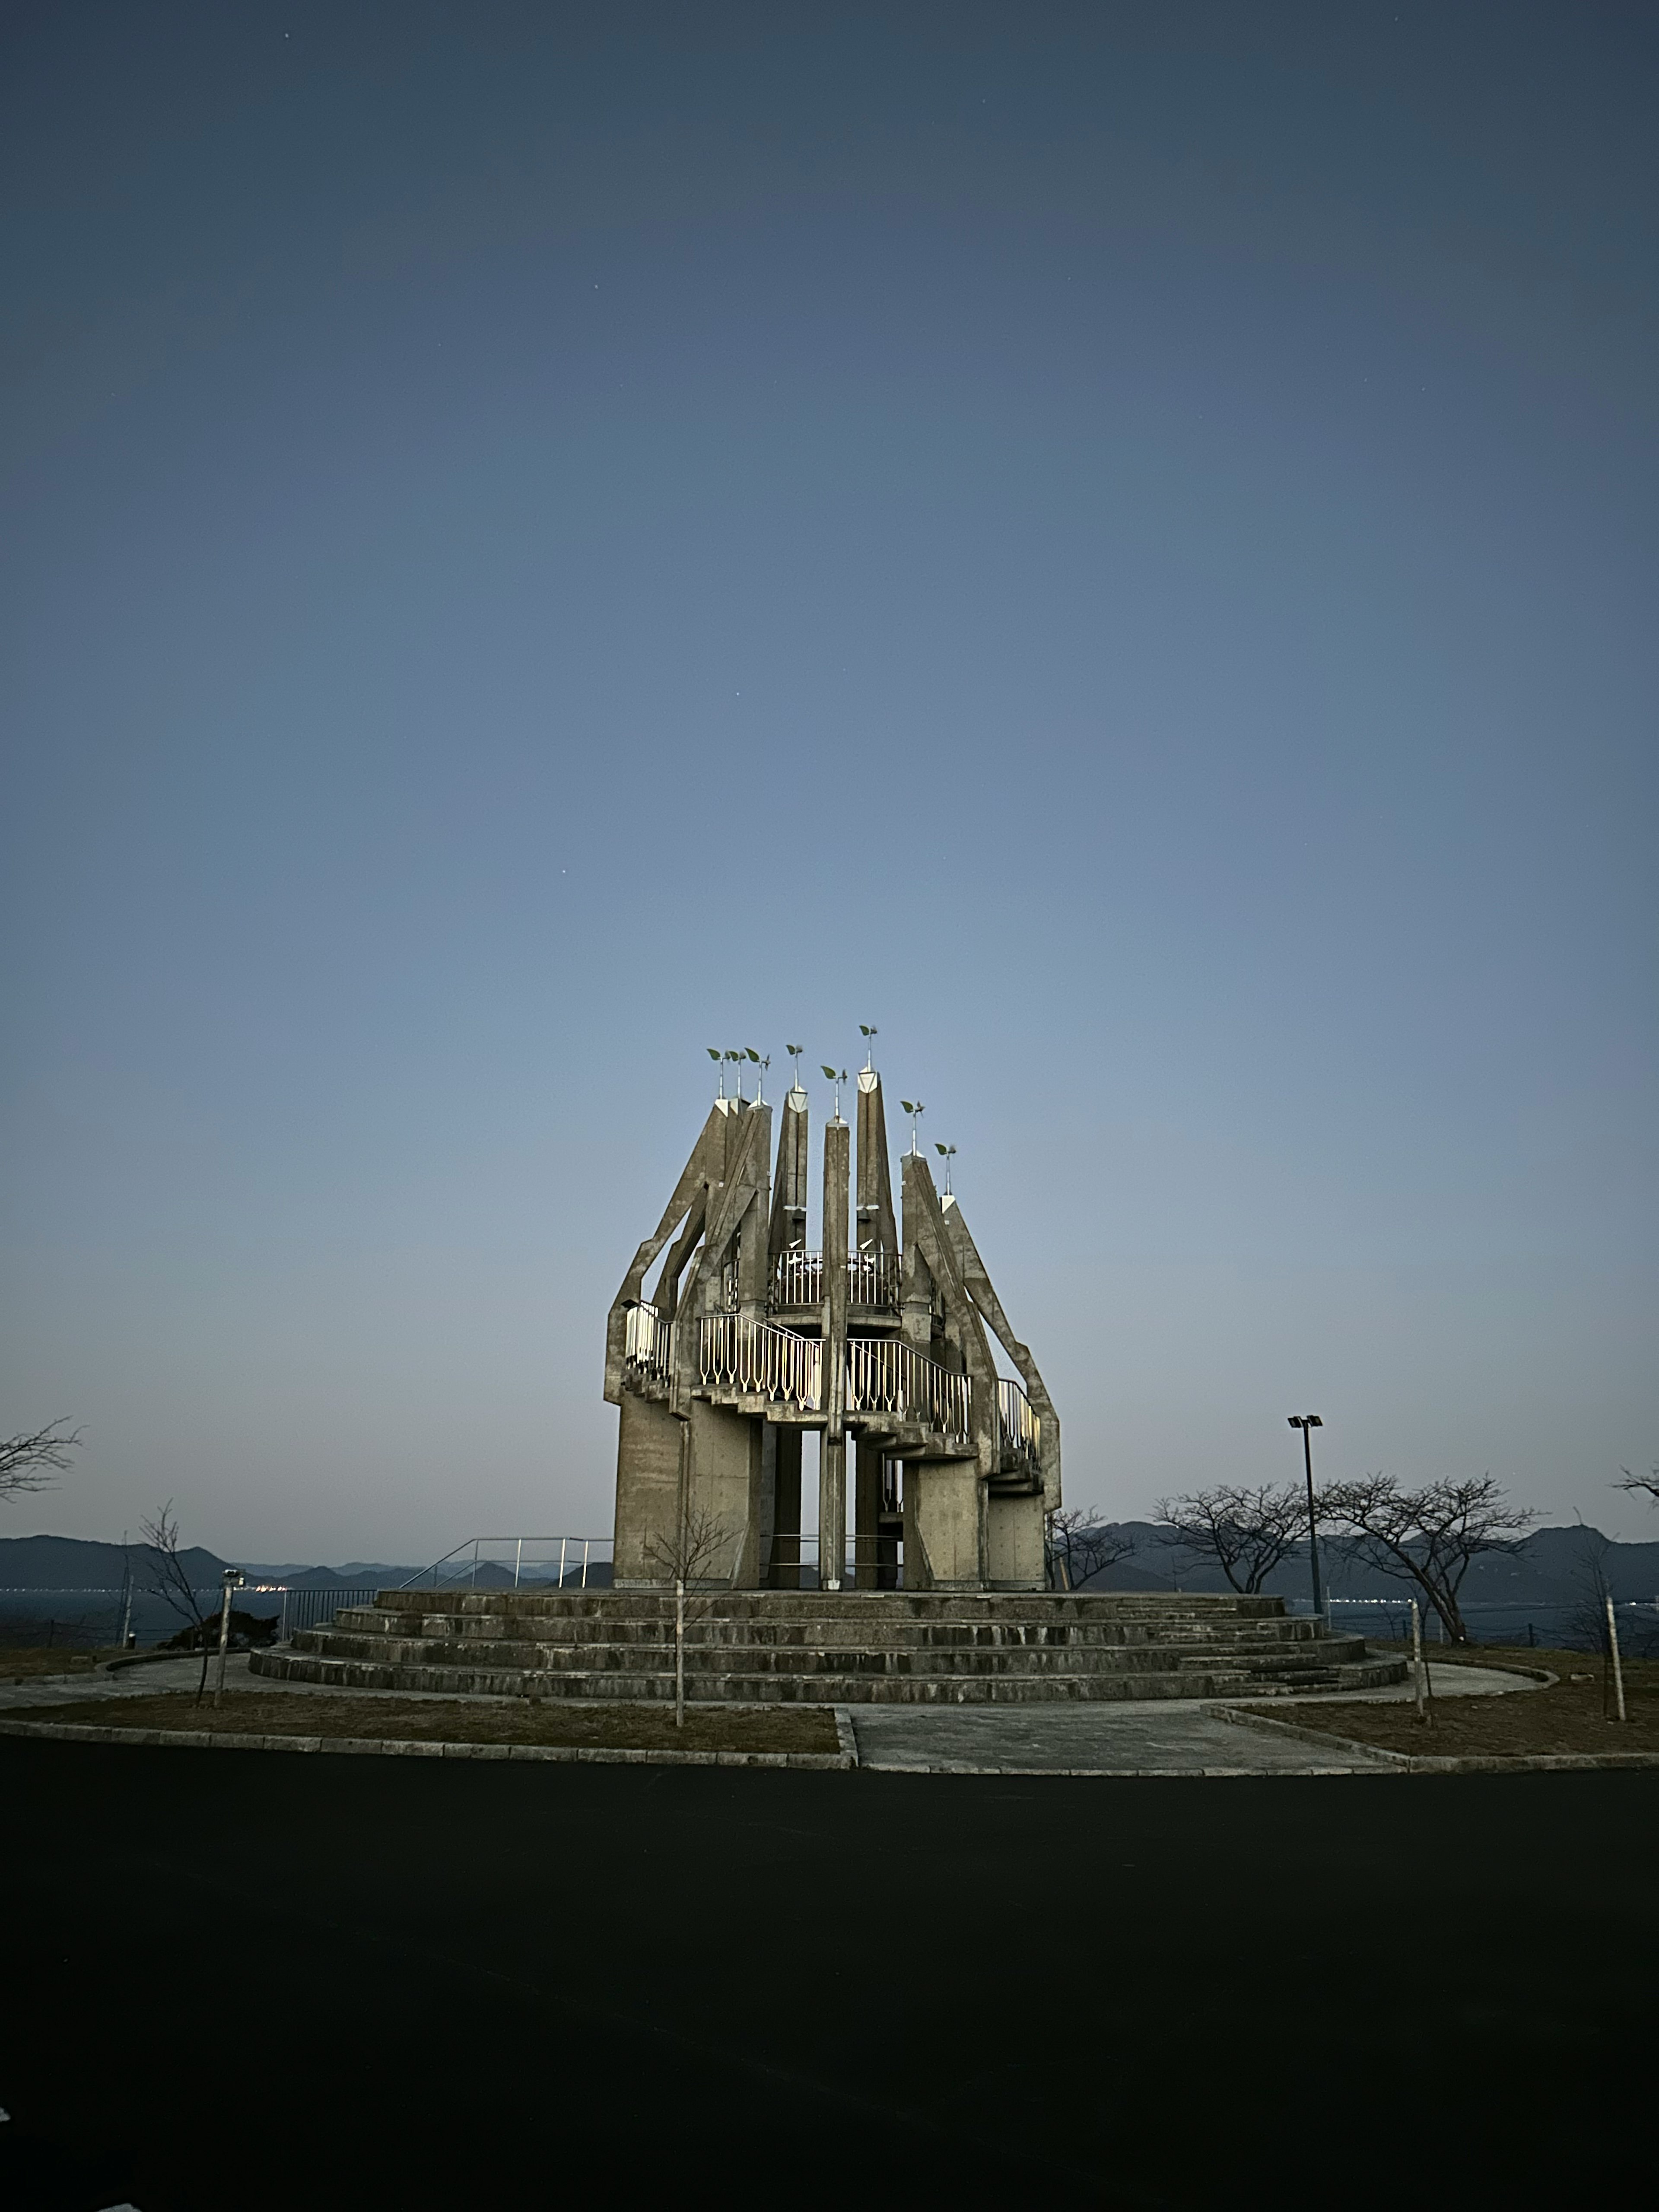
(1546, 1568)
(69, 1562)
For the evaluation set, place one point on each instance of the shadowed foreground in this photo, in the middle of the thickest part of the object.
(481, 1977)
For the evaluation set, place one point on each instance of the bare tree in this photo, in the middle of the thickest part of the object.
(686, 1556)
(167, 1577)
(29, 1460)
(1082, 1545)
(1428, 1536)
(1643, 1486)
(1246, 1532)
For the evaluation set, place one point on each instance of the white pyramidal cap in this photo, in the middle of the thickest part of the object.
(797, 1100)
(867, 1080)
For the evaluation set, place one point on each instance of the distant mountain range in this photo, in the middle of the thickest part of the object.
(72, 1563)
(69, 1562)
(1548, 1569)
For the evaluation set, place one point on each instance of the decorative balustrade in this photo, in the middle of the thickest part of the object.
(872, 1280)
(1021, 1429)
(647, 1343)
(887, 1377)
(883, 1376)
(798, 1279)
(762, 1361)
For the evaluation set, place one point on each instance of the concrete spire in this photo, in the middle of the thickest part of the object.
(877, 1226)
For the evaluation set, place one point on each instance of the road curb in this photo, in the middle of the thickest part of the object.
(1129, 1774)
(409, 1747)
(1410, 1762)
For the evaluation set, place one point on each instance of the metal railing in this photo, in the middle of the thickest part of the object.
(789, 1561)
(647, 1345)
(519, 1563)
(872, 1280)
(798, 1279)
(1021, 1429)
(304, 1608)
(885, 1378)
(762, 1361)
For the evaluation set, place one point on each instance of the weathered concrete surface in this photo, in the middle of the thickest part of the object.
(1122, 1739)
(729, 1223)
(647, 1485)
(772, 1647)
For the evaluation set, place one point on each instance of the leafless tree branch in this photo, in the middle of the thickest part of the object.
(1247, 1532)
(29, 1460)
(167, 1577)
(1083, 1545)
(1428, 1536)
(685, 1557)
(1643, 1486)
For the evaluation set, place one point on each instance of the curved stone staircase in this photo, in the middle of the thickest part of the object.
(799, 1647)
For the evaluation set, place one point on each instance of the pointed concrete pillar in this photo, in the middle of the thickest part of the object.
(877, 1227)
(789, 1188)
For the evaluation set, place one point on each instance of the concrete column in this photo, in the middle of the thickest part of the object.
(866, 1513)
(789, 1188)
(786, 1511)
(754, 1262)
(832, 1513)
(876, 1223)
(832, 1479)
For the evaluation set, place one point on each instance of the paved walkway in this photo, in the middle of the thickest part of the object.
(183, 1673)
(1156, 1736)
(1159, 1736)
(1162, 1737)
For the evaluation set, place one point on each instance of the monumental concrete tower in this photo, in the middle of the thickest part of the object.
(747, 1340)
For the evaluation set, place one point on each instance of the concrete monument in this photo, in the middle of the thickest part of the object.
(746, 1341)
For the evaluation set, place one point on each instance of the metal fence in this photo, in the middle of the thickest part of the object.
(761, 1361)
(1020, 1428)
(872, 1278)
(790, 1561)
(1559, 1624)
(648, 1344)
(519, 1563)
(885, 1377)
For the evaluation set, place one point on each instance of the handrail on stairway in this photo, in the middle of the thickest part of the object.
(516, 1547)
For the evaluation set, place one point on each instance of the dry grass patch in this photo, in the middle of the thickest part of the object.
(1568, 1716)
(433, 1720)
(27, 1662)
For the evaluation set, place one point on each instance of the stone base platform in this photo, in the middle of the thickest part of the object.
(785, 1647)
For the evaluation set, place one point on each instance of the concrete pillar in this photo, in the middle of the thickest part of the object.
(832, 1513)
(949, 1521)
(1013, 1543)
(832, 1481)
(754, 1261)
(866, 1513)
(789, 1188)
(876, 1224)
(648, 1445)
(786, 1511)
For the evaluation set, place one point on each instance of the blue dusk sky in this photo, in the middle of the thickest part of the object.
(1115, 543)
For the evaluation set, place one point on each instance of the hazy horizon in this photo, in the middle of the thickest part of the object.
(1117, 545)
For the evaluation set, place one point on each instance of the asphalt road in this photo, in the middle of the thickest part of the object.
(240, 1981)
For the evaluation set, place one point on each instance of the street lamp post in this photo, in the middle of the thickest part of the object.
(233, 1580)
(1308, 1423)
